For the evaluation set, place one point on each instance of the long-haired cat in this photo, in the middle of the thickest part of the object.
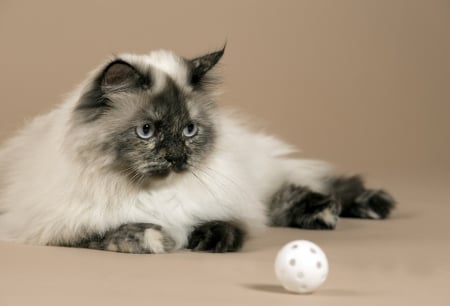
(140, 159)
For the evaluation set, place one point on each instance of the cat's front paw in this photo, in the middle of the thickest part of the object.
(315, 211)
(216, 237)
(136, 238)
(297, 206)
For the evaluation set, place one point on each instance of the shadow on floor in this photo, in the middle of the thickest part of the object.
(270, 288)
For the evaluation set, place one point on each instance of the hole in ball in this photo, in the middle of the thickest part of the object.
(292, 262)
(319, 265)
(294, 246)
(313, 250)
(300, 275)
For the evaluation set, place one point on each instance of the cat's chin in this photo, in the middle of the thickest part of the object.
(161, 180)
(160, 177)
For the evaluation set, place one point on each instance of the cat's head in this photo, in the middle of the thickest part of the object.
(148, 116)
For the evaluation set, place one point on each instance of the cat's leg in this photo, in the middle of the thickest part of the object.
(135, 238)
(298, 206)
(359, 202)
(217, 237)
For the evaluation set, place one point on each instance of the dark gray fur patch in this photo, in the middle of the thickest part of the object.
(296, 206)
(168, 150)
(128, 238)
(217, 237)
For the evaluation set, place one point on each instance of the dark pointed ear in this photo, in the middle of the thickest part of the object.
(201, 65)
(119, 75)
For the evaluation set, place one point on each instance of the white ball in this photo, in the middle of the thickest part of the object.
(301, 266)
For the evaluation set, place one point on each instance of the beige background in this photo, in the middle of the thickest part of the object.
(364, 84)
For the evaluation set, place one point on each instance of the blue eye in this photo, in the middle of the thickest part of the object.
(190, 130)
(145, 131)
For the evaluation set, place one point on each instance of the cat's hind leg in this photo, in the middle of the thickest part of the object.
(359, 202)
(299, 206)
(138, 238)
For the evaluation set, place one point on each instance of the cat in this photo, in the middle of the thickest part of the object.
(140, 159)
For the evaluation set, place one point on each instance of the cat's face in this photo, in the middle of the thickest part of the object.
(149, 116)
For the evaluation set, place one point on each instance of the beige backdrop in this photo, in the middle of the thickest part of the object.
(364, 84)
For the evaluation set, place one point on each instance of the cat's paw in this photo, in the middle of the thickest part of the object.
(373, 204)
(137, 238)
(216, 237)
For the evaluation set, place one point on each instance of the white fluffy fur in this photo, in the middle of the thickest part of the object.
(47, 196)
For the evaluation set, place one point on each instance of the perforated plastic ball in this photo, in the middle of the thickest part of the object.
(301, 266)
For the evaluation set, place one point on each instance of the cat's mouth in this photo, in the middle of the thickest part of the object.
(156, 171)
(164, 171)
(160, 173)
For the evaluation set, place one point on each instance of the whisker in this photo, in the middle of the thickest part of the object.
(221, 175)
(205, 185)
(218, 179)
